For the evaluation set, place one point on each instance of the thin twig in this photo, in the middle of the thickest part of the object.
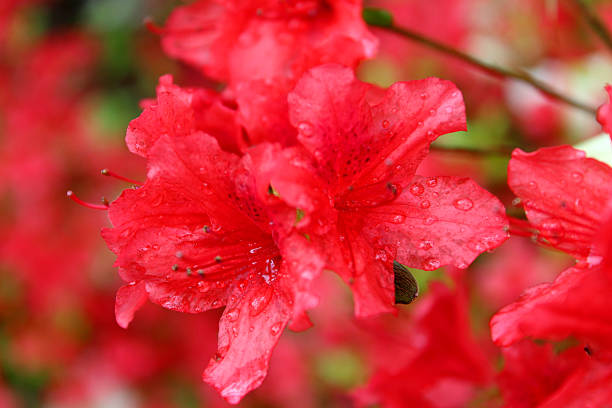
(491, 69)
(595, 23)
(498, 151)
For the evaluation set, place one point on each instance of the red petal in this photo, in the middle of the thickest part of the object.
(534, 372)
(129, 299)
(359, 143)
(604, 113)
(164, 227)
(368, 272)
(564, 195)
(577, 303)
(590, 386)
(439, 221)
(177, 112)
(248, 332)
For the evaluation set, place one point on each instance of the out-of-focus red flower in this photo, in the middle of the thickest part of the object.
(261, 48)
(368, 144)
(445, 363)
(564, 194)
(604, 113)
(566, 197)
(207, 230)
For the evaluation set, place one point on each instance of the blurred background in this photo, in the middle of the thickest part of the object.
(72, 74)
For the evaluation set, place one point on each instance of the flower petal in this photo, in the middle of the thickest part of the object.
(576, 304)
(360, 142)
(564, 195)
(439, 221)
(248, 332)
(129, 299)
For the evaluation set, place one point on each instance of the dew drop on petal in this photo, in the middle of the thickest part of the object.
(432, 182)
(577, 177)
(429, 220)
(425, 204)
(385, 124)
(463, 204)
(423, 95)
(232, 315)
(431, 264)
(305, 129)
(426, 245)
(398, 219)
(417, 189)
(259, 303)
(276, 328)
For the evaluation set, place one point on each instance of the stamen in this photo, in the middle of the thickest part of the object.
(77, 200)
(107, 172)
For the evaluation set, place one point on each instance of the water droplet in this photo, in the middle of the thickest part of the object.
(578, 207)
(215, 303)
(420, 124)
(388, 162)
(430, 133)
(463, 204)
(417, 189)
(532, 184)
(259, 303)
(385, 124)
(276, 328)
(232, 315)
(423, 95)
(448, 109)
(432, 112)
(398, 219)
(305, 129)
(577, 177)
(426, 245)
(432, 181)
(429, 220)
(234, 331)
(425, 204)
(431, 264)
(455, 94)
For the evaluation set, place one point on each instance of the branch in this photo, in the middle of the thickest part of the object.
(382, 19)
(596, 24)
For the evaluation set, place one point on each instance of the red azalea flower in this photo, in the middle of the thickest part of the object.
(532, 373)
(261, 48)
(604, 113)
(445, 365)
(368, 144)
(207, 230)
(565, 196)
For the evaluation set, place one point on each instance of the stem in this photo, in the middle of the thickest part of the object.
(491, 69)
(595, 23)
(499, 151)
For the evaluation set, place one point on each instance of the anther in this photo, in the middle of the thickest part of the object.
(107, 172)
(206, 229)
(201, 272)
(189, 271)
(175, 267)
(77, 200)
(218, 259)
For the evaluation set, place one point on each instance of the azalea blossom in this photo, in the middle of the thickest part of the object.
(368, 144)
(566, 198)
(261, 48)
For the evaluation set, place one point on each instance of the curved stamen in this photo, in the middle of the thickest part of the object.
(77, 200)
(107, 172)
